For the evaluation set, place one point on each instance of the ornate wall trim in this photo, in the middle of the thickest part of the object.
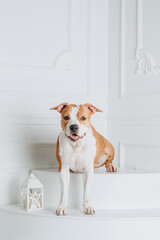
(62, 65)
(53, 67)
(144, 61)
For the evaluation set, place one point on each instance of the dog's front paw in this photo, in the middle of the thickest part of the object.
(111, 169)
(61, 211)
(89, 210)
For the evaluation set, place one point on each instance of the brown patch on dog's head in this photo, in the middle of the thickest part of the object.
(85, 112)
(91, 108)
(83, 115)
(65, 116)
(60, 107)
(65, 110)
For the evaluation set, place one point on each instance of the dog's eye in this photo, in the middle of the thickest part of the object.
(83, 118)
(66, 117)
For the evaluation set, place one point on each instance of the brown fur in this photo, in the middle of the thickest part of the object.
(57, 155)
(83, 112)
(103, 147)
(66, 112)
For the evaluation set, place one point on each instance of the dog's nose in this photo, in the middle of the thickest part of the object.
(74, 127)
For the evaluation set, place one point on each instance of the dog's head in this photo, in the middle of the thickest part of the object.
(75, 119)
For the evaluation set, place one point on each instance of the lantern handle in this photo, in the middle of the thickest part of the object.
(32, 175)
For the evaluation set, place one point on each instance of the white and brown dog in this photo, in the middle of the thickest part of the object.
(80, 149)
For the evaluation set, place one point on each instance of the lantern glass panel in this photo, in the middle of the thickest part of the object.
(24, 198)
(35, 198)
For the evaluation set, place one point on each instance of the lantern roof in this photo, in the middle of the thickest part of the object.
(32, 182)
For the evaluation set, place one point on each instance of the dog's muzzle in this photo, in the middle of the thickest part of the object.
(74, 137)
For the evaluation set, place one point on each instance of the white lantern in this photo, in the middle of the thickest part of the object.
(32, 193)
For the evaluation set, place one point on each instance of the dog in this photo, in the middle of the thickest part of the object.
(80, 148)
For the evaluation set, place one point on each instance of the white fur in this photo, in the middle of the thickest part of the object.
(102, 159)
(74, 120)
(64, 181)
(79, 157)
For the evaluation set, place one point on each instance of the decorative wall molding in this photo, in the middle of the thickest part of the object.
(144, 61)
(123, 146)
(58, 59)
(62, 64)
(123, 48)
(41, 119)
(121, 155)
(30, 119)
(142, 121)
(45, 94)
(21, 170)
(16, 164)
(29, 146)
(11, 171)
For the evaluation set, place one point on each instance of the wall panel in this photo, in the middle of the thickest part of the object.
(133, 97)
(50, 52)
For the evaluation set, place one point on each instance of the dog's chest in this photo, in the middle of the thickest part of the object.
(78, 157)
(79, 160)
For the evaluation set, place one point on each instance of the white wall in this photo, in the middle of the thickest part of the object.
(77, 51)
(134, 82)
(50, 52)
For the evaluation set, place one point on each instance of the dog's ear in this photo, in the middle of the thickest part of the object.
(91, 108)
(60, 107)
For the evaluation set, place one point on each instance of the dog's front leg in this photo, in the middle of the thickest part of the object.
(64, 181)
(87, 201)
